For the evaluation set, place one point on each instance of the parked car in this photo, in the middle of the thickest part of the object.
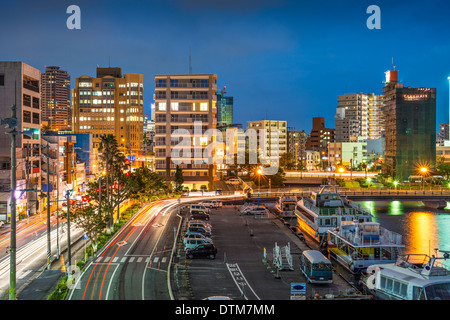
(201, 230)
(257, 211)
(202, 222)
(206, 250)
(210, 204)
(195, 235)
(199, 224)
(192, 243)
(198, 207)
(199, 215)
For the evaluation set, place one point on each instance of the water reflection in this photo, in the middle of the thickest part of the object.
(423, 229)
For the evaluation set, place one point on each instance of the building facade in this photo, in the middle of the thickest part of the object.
(296, 145)
(110, 104)
(410, 136)
(55, 94)
(359, 115)
(20, 86)
(320, 136)
(185, 108)
(224, 109)
(275, 137)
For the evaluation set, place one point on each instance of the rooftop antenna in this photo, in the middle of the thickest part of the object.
(393, 67)
(190, 62)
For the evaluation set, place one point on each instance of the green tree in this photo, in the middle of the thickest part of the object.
(179, 180)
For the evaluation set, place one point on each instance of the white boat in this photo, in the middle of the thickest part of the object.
(326, 210)
(357, 246)
(285, 206)
(411, 277)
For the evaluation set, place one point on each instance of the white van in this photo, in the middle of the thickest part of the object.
(200, 207)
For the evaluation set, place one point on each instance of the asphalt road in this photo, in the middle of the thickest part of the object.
(134, 265)
(239, 271)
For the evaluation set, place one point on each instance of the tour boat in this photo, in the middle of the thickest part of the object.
(285, 206)
(411, 277)
(357, 246)
(326, 210)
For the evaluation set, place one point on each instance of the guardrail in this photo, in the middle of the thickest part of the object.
(362, 193)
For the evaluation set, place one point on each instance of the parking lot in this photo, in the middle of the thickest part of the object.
(239, 270)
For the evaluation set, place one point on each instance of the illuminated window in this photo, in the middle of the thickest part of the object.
(203, 106)
(175, 106)
(162, 106)
(203, 141)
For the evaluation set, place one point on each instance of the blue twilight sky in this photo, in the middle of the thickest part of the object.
(279, 59)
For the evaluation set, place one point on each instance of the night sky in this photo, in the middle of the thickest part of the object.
(279, 59)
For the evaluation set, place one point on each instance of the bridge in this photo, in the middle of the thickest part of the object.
(436, 199)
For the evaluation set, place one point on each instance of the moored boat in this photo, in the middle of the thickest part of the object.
(285, 206)
(326, 210)
(357, 246)
(411, 277)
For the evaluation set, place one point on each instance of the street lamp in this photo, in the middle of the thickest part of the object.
(423, 172)
(368, 182)
(395, 184)
(259, 172)
(341, 169)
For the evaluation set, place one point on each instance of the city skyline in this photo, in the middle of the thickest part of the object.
(287, 60)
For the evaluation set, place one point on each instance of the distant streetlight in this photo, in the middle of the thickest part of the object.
(341, 169)
(395, 184)
(423, 172)
(369, 180)
(259, 172)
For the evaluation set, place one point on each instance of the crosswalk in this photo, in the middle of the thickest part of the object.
(132, 259)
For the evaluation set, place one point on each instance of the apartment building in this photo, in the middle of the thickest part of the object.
(275, 137)
(55, 94)
(20, 85)
(185, 108)
(359, 115)
(110, 103)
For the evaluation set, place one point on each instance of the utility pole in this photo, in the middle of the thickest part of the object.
(49, 248)
(69, 253)
(12, 248)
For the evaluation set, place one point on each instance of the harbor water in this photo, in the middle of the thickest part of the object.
(423, 229)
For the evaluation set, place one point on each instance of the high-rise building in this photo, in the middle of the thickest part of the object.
(224, 109)
(410, 121)
(359, 115)
(55, 96)
(110, 104)
(275, 137)
(20, 85)
(185, 108)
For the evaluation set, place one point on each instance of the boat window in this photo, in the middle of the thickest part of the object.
(440, 291)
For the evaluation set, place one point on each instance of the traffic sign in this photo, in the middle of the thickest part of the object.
(298, 288)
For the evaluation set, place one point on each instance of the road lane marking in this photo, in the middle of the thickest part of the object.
(123, 260)
(139, 259)
(131, 259)
(115, 259)
(156, 259)
(163, 260)
(239, 279)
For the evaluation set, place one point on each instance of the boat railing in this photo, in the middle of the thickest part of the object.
(388, 236)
